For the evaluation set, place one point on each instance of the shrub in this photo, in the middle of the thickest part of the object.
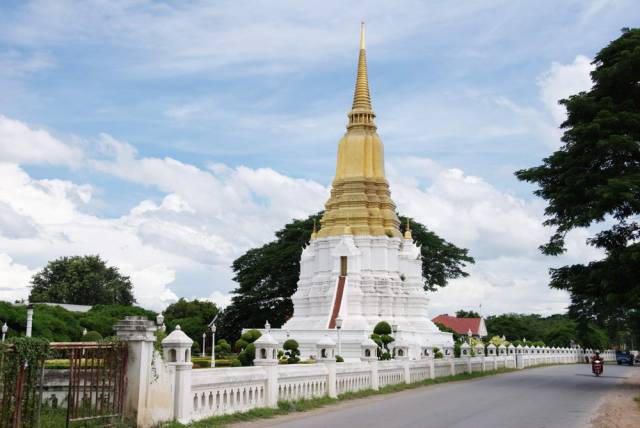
(291, 351)
(92, 336)
(250, 336)
(240, 345)
(385, 356)
(222, 348)
(456, 350)
(247, 356)
(339, 359)
(382, 327)
(437, 353)
(382, 336)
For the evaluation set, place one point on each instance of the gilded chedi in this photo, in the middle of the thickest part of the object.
(360, 199)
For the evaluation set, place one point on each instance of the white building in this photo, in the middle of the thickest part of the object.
(358, 269)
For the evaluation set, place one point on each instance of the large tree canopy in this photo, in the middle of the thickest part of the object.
(594, 177)
(193, 317)
(80, 280)
(267, 276)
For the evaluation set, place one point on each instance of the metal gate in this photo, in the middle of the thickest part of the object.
(97, 382)
(93, 393)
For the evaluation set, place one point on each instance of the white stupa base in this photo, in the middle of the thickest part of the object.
(350, 341)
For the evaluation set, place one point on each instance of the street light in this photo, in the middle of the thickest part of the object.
(5, 329)
(29, 319)
(159, 319)
(204, 343)
(213, 343)
(338, 327)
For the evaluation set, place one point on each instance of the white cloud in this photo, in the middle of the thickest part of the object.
(501, 231)
(22, 144)
(13, 277)
(563, 80)
(208, 217)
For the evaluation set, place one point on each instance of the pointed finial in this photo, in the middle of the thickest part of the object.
(407, 232)
(362, 114)
(314, 234)
(267, 326)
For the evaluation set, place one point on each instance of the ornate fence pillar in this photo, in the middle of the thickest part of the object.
(368, 354)
(138, 332)
(176, 349)
(267, 357)
(327, 355)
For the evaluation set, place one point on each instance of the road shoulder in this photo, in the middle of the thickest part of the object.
(618, 409)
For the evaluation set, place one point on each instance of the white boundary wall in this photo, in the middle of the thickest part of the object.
(166, 390)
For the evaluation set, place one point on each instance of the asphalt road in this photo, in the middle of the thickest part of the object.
(560, 396)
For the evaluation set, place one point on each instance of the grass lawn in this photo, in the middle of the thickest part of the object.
(286, 407)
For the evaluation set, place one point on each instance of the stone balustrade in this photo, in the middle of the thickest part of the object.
(191, 395)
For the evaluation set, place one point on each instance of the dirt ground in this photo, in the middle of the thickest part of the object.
(618, 409)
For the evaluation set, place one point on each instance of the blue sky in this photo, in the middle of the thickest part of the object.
(172, 136)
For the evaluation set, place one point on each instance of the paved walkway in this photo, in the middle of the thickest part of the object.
(559, 396)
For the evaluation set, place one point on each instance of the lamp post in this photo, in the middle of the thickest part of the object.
(159, 320)
(339, 327)
(5, 329)
(213, 344)
(204, 343)
(29, 319)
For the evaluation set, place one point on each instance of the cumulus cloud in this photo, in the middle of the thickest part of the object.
(22, 144)
(209, 216)
(562, 81)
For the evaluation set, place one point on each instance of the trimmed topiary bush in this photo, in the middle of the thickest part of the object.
(223, 348)
(382, 327)
(247, 356)
(250, 336)
(382, 336)
(339, 359)
(291, 351)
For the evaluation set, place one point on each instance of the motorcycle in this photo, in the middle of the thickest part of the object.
(597, 366)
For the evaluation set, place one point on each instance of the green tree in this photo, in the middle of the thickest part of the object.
(267, 276)
(81, 280)
(594, 177)
(467, 314)
(193, 317)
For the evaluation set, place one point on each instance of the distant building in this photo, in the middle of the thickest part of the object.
(69, 307)
(463, 325)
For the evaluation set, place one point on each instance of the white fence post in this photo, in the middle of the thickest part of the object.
(267, 357)
(138, 332)
(326, 350)
(176, 350)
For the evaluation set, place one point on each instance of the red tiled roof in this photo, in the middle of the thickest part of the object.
(459, 325)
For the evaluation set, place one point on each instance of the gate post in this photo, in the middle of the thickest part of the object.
(138, 332)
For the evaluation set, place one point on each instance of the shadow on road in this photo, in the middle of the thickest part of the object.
(603, 376)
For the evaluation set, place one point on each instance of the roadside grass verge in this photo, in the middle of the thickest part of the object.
(637, 400)
(287, 407)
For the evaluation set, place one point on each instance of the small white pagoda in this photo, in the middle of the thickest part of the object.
(358, 269)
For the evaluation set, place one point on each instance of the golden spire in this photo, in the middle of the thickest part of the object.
(407, 232)
(360, 203)
(362, 112)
